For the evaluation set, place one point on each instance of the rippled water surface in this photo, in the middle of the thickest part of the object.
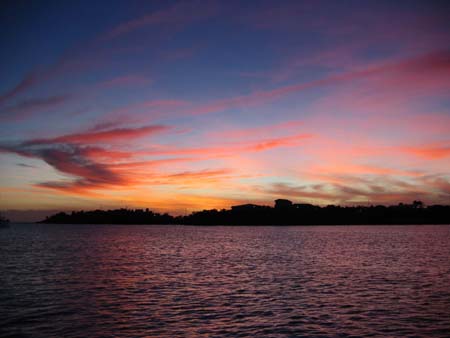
(175, 281)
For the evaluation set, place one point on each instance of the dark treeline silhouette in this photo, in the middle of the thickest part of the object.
(118, 216)
(283, 213)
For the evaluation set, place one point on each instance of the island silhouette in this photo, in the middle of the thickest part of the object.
(284, 212)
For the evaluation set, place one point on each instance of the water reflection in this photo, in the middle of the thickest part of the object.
(133, 281)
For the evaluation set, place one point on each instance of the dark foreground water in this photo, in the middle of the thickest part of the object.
(174, 281)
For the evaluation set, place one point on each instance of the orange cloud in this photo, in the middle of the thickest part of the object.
(429, 152)
(97, 167)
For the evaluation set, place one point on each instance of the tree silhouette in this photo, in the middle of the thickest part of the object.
(284, 213)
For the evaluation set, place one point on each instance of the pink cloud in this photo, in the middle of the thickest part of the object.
(435, 65)
(28, 107)
(27, 82)
(178, 15)
(95, 167)
(180, 53)
(232, 148)
(126, 80)
(257, 132)
(118, 134)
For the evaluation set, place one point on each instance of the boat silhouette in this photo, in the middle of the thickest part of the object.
(4, 222)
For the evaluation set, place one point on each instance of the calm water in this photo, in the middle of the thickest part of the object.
(173, 281)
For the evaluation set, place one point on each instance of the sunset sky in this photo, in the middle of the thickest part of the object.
(186, 105)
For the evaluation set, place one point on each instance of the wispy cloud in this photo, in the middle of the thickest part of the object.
(27, 82)
(25, 165)
(125, 80)
(432, 152)
(90, 165)
(176, 16)
(91, 137)
(383, 192)
(29, 107)
(232, 148)
(433, 66)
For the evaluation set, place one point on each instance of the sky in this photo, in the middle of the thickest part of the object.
(180, 106)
